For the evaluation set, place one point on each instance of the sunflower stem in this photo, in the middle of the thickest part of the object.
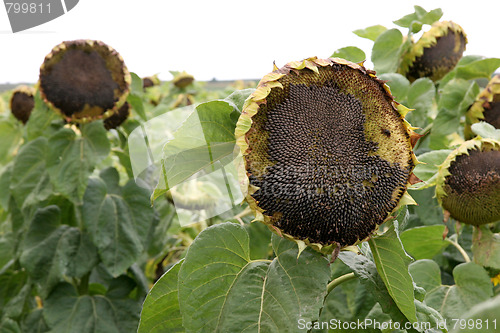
(247, 211)
(339, 280)
(459, 248)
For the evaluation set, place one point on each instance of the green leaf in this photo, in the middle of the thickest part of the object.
(420, 16)
(482, 317)
(456, 97)
(392, 265)
(427, 172)
(8, 325)
(486, 247)
(118, 223)
(51, 251)
(136, 102)
(66, 311)
(420, 97)
(160, 311)
(351, 53)
(486, 130)
(472, 287)
(71, 158)
(34, 322)
(386, 51)
(10, 138)
(43, 120)
(398, 83)
(30, 181)
(222, 290)
(371, 32)
(472, 67)
(366, 270)
(136, 87)
(424, 242)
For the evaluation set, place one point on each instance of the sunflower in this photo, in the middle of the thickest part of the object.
(468, 182)
(84, 80)
(485, 108)
(22, 103)
(327, 152)
(436, 53)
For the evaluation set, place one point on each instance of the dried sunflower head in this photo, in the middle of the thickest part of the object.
(327, 152)
(182, 80)
(150, 81)
(468, 182)
(485, 108)
(436, 53)
(22, 103)
(84, 80)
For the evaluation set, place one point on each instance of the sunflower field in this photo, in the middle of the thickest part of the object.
(327, 196)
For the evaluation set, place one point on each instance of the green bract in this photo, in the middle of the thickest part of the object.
(328, 154)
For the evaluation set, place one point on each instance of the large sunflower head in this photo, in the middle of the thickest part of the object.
(485, 108)
(468, 183)
(22, 103)
(436, 53)
(84, 80)
(327, 152)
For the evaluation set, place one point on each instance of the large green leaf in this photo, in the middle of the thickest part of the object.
(160, 311)
(486, 247)
(118, 222)
(420, 97)
(483, 318)
(43, 120)
(424, 242)
(72, 158)
(30, 181)
(399, 85)
(392, 264)
(351, 53)
(486, 130)
(472, 286)
(472, 67)
(387, 50)
(66, 311)
(10, 137)
(51, 250)
(455, 99)
(222, 290)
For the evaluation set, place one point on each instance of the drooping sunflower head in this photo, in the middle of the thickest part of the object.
(436, 53)
(468, 183)
(327, 154)
(485, 108)
(150, 81)
(84, 80)
(22, 103)
(182, 80)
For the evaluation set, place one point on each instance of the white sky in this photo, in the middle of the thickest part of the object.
(227, 39)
